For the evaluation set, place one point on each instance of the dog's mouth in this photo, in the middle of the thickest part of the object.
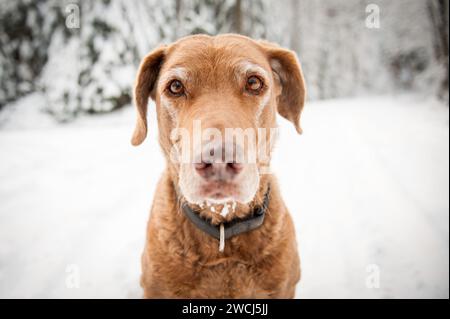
(218, 200)
(219, 191)
(199, 187)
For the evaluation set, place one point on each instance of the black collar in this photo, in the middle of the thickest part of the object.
(234, 227)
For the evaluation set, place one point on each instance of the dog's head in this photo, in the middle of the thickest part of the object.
(216, 100)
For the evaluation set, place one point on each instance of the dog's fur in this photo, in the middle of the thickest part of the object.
(179, 260)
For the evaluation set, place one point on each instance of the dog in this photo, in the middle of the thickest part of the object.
(218, 228)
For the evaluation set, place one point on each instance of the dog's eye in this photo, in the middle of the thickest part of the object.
(254, 84)
(176, 88)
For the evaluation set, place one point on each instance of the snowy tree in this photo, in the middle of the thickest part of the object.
(26, 30)
(342, 56)
(96, 66)
(215, 16)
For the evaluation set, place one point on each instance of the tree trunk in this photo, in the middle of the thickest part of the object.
(438, 12)
(295, 25)
(237, 27)
(178, 11)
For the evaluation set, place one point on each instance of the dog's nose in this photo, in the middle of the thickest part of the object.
(218, 171)
(219, 162)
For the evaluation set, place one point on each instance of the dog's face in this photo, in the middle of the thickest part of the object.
(213, 96)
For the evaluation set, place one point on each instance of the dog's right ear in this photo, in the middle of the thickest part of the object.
(288, 74)
(145, 87)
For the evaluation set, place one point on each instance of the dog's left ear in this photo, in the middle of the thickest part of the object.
(145, 87)
(291, 84)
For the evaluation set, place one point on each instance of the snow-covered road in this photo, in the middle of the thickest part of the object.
(367, 185)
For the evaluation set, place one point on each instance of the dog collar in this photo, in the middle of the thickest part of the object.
(232, 228)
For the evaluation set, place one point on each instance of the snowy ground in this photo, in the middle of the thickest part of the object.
(367, 185)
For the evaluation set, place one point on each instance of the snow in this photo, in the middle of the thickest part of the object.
(367, 184)
(224, 211)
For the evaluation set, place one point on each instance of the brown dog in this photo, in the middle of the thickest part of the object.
(218, 227)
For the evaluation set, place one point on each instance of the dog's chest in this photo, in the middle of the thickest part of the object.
(228, 280)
